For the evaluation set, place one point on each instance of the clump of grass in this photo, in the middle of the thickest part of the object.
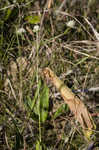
(36, 118)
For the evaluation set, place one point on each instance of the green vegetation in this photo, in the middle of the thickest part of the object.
(33, 115)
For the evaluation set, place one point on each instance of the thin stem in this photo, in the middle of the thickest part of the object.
(37, 79)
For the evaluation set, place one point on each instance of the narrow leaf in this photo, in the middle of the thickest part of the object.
(44, 103)
(63, 108)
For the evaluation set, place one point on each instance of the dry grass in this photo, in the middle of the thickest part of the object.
(70, 49)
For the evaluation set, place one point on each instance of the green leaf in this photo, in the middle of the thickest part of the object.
(38, 146)
(63, 108)
(36, 100)
(8, 13)
(33, 19)
(30, 103)
(44, 104)
(19, 141)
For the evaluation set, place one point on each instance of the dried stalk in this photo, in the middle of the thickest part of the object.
(75, 104)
